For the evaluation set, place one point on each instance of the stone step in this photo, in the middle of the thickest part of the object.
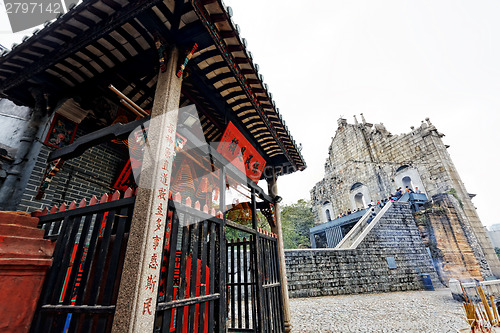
(25, 247)
(18, 218)
(20, 231)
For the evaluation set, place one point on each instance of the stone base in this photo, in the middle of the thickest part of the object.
(24, 259)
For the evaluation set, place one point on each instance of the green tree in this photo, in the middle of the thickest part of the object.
(296, 219)
(497, 251)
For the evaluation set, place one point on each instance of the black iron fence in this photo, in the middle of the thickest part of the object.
(272, 305)
(81, 287)
(253, 283)
(241, 285)
(207, 283)
(191, 294)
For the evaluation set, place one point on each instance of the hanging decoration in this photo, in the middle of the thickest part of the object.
(186, 60)
(62, 132)
(52, 168)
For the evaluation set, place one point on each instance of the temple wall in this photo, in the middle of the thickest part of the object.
(13, 121)
(92, 173)
(322, 272)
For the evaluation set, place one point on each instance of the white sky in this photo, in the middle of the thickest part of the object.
(396, 61)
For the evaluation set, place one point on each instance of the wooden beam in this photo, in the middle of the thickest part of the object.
(218, 17)
(240, 60)
(220, 77)
(235, 48)
(235, 94)
(253, 81)
(94, 58)
(114, 59)
(97, 12)
(119, 47)
(92, 139)
(144, 33)
(131, 40)
(85, 64)
(228, 86)
(228, 33)
(247, 71)
(214, 66)
(64, 74)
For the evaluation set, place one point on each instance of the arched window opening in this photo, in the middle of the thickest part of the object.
(356, 185)
(359, 200)
(407, 182)
(328, 216)
(401, 168)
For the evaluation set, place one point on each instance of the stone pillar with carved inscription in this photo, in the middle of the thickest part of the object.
(137, 298)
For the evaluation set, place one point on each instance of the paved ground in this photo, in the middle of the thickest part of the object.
(414, 311)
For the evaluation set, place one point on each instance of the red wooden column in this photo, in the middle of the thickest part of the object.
(136, 305)
(273, 192)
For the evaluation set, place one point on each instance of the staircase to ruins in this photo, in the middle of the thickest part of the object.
(356, 235)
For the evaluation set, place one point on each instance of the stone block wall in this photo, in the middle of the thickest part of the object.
(367, 159)
(322, 272)
(457, 256)
(371, 156)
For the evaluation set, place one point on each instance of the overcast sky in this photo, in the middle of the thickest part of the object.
(396, 61)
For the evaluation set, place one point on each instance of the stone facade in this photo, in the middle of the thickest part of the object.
(321, 272)
(454, 257)
(367, 163)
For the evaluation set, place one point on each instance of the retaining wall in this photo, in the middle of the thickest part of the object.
(322, 272)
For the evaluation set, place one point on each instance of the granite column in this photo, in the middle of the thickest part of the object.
(137, 298)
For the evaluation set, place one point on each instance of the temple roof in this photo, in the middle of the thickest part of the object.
(102, 42)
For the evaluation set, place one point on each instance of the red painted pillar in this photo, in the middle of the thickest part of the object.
(24, 259)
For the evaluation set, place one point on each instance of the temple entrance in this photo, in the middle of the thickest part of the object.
(213, 282)
(219, 270)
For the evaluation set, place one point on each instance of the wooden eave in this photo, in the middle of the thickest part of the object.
(90, 46)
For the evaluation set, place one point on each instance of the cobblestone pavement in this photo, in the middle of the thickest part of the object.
(413, 311)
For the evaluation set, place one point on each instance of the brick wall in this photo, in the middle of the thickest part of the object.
(92, 173)
(321, 272)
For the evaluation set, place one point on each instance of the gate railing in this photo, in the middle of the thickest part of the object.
(190, 286)
(254, 295)
(241, 285)
(273, 320)
(200, 291)
(81, 287)
(195, 291)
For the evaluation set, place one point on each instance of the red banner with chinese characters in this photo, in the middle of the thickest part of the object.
(237, 150)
